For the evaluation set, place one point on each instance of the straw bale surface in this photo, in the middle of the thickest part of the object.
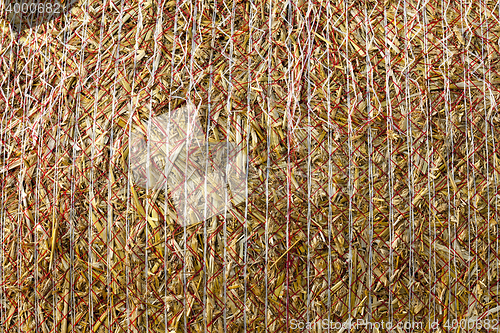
(371, 130)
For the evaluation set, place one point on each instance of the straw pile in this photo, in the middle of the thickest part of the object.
(372, 137)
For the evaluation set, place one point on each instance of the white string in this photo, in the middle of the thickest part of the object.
(148, 180)
(409, 139)
(495, 166)
(308, 57)
(369, 86)
(72, 214)
(472, 299)
(36, 217)
(92, 154)
(55, 216)
(493, 105)
(468, 151)
(190, 130)
(78, 88)
(311, 29)
(249, 95)
(449, 153)
(64, 306)
(188, 146)
(349, 143)
(207, 152)
(205, 183)
(495, 173)
(330, 171)
(109, 225)
(390, 128)
(488, 259)
(133, 107)
(268, 161)
(228, 130)
(171, 93)
(290, 99)
(149, 203)
(430, 179)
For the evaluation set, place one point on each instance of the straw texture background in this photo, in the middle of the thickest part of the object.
(371, 129)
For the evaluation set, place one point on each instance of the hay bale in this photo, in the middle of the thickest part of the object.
(372, 137)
